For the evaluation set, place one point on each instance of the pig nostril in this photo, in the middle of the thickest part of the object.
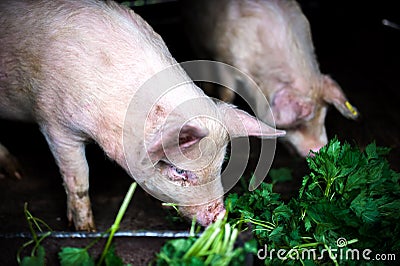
(220, 215)
(311, 152)
(214, 212)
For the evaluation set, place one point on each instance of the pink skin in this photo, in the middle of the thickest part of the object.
(271, 42)
(183, 177)
(207, 213)
(58, 70)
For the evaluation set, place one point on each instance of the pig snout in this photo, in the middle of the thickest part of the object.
(205, 214)
(307, 151)
(290, 108)
(302, 149)
(303, 141)
(208, 214)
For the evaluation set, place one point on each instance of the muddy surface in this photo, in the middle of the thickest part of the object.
(352, 46)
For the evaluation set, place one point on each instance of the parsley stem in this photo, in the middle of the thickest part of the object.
(315, 244)
(270, 226)
(331, 256)
(114, 228)
(326, 192)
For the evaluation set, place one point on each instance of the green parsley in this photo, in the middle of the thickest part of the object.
(349, 195)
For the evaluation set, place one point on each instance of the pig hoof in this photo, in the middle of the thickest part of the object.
(81, 223)
(88, 227)
(9, 165)
(227, 95)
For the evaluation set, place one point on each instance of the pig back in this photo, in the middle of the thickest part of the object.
(74, 61)
(269, 40)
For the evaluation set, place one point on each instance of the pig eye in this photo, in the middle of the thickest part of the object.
(183, 177)
(178, 173)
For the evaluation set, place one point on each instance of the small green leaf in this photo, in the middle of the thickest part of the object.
(37, 260)
(371, 152)
(282, 212)
(307, 224)
(366, 208)
(75, 257)
(280, 175)
(276, 234)
(112, 259)
(303, 185)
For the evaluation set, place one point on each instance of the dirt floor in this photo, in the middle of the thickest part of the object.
(352, 46)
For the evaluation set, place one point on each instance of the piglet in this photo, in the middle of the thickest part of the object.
(81, 71)
(9, 165)
(270, 41)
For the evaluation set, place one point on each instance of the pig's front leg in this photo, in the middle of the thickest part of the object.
(8, 164)
(69, 152)
(227, 92)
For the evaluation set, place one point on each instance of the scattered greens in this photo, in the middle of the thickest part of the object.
(349, 200)
(70, 255)
(37, 256)
(75, 256)
(114, 228)
(215, 246)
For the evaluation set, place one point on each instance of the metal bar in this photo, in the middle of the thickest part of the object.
(133, 233)
(390, 24)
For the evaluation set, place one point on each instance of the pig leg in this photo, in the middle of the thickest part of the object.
(227, 94)
(8, 164)
(69, 152)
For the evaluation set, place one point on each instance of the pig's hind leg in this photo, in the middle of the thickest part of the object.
(69, 152)
(9, 165)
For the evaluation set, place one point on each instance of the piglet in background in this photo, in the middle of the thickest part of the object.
(76, 69)
(270, 40)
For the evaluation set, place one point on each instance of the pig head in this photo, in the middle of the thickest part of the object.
(188, 167)
(271, 42)
(303, 116)
(184, 145)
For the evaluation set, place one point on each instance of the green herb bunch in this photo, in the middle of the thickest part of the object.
(349, 200)
(215, 246)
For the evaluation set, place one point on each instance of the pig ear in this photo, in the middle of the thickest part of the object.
(241, 124)
(333, 94)
(174, 137)
(289, 108)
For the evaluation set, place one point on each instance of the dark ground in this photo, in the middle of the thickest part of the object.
(352, 46)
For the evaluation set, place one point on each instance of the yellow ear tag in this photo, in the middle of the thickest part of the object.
(351, 108)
